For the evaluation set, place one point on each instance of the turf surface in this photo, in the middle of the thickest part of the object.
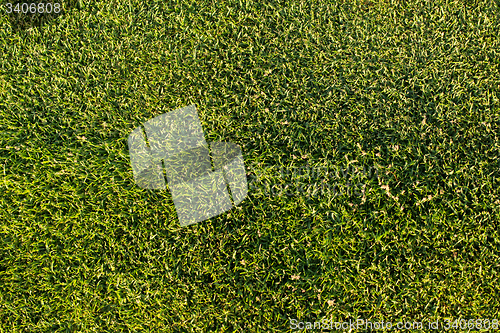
(309, 90)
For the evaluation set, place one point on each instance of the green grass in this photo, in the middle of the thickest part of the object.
(411, 88)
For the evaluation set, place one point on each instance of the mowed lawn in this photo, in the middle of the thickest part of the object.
(410, 89)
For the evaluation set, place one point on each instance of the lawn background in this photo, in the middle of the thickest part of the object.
(409, 87)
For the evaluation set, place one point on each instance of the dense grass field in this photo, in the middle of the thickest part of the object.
(313, 92)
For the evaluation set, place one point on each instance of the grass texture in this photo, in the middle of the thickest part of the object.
(408, 88)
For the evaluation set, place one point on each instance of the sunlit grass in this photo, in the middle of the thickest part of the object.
(409, 89)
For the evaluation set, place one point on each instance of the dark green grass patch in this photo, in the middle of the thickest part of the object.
(408, 88)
